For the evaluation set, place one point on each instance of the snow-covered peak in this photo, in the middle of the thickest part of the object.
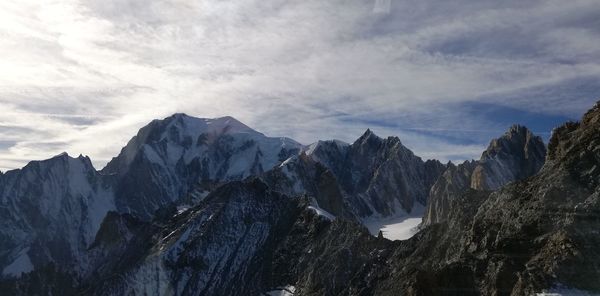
(181, 135)
(316, 146)
(185, 137)
(62, 161)
(329, 153)
(62, 199)
(196, 126)
(168, 157)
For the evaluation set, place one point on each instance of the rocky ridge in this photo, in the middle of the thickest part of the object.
(520, 239)
(516, 155)
(537, 234)
(370, 177)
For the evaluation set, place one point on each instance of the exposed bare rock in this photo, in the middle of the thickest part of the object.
(375, 176)
(453, 182)
(516, 155)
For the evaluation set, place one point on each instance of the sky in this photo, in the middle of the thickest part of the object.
(82, 76)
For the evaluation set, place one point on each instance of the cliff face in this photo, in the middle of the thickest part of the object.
(50, 212)
(516, 155)
(453, 182)
(384, 172)
(370, 177)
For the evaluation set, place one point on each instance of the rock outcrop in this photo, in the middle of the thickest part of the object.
(516, 155)
(222, 246)
(370, 177)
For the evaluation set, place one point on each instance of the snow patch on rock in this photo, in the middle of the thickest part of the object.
(282, 291)
(398, 227)
(322, 212)
(20, 265)
(562, 291)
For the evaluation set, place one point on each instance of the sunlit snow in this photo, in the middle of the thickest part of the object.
(322, 212)
(400, 227)
(561, 290)
(21, 265)
(282, 291)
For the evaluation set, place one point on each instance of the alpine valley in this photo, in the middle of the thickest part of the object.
(194, 206)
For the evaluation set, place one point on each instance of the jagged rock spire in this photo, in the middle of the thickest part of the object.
(515, 155)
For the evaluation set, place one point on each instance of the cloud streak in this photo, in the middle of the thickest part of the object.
(83, 75)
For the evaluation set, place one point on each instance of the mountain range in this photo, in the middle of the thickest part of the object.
(195, 206)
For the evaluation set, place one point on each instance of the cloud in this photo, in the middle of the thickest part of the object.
(83, 75)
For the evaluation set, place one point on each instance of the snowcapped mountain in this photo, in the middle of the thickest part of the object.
(211, 207)
(53, 209)
(50, 211)
(167, 158)
(516, 155)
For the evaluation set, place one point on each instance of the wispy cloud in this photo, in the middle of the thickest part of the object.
(83, 75)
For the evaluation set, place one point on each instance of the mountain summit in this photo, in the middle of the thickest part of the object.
(180, 151)
(516, 155)
(182, 137)
(51, 210)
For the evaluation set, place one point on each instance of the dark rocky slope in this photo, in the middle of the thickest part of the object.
(221, 247)
(370, 177)
(526, 237)
(516, 155)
